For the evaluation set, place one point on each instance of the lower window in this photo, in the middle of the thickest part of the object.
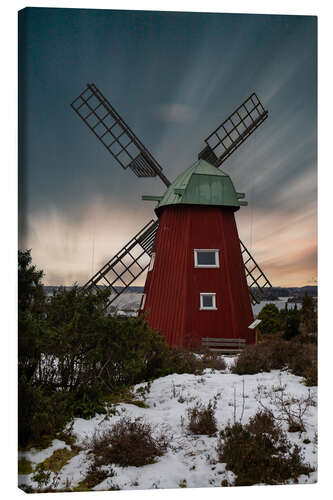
(207, 301)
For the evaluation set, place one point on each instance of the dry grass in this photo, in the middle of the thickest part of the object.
(93, 477)
(24, 466)
(59, 458)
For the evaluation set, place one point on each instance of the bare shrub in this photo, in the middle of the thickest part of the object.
(253, 359)
(291, 409)
(311, 375)
(277, 354)
(260, 457)
(281, 352)
(201, 419)
(183, 361)
(264, 422)
(128, 442)
(303, 358)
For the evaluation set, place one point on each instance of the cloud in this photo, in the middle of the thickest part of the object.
(299, 266)
(176, 113)
(71, 249)
(284, 245)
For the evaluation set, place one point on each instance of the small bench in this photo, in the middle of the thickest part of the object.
(223, 345)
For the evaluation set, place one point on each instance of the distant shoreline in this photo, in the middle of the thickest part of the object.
(274, 293)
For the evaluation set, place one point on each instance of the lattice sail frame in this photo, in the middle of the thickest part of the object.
(116, 136)
(127, 265)
(256, 279)
(228, 136)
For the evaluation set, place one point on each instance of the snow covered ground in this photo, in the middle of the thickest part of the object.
(190, 460)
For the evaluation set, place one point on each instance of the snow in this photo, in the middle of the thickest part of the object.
(190, 459)
(38, 456)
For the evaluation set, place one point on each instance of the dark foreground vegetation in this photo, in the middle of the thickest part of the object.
(73, 357)
(288, 340)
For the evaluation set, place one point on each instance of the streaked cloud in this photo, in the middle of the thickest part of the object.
(176, 113)
(71, 249)
(284, 245)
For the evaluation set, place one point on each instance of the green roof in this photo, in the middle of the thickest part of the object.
(201, 184)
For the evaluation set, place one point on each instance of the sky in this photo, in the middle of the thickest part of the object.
(174, 77)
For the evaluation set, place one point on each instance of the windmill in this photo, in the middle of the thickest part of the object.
(201, 277)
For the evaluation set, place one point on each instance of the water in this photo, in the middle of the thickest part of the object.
(280, 304)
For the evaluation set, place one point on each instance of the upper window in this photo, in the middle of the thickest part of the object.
(206, 258)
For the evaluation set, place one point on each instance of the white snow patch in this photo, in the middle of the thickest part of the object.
(38, 456)
(190, 460)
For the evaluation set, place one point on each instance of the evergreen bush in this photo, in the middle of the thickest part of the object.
(270, 319)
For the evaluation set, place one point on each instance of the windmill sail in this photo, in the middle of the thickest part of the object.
(127, 265)
(228, 136)
(115, 135)
(255, 276)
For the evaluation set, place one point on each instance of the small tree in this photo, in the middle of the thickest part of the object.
(31, 308)
(270, 319)
(308, 315)
(291, 322)
(292, 326)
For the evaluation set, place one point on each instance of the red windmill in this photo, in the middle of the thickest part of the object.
(200, 275)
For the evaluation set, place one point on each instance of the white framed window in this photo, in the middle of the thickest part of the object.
(152, 260)
(206, 257)
(208, 301)
(143, 300)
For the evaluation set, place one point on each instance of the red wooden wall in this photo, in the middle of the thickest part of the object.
(174, 285)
